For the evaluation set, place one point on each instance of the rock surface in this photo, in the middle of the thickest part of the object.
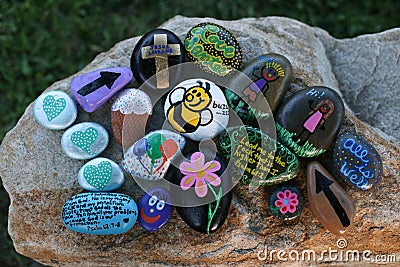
(39, 177)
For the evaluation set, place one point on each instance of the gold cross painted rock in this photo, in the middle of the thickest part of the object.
(160, 52)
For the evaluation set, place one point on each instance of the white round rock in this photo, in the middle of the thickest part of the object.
(197, 108)
(85, 140)
(55, 110)
(101, 175)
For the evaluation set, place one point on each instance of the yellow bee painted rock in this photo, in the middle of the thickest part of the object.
(197, 108)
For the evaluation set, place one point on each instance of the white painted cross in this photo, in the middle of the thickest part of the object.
(160, 52)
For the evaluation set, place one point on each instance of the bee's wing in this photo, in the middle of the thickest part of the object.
(206, 117)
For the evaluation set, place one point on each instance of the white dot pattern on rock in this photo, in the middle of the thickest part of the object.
(99, 176)
(84, 140)
(132, 101)
(52, 107)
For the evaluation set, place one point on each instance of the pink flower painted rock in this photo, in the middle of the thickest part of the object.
(286, 202)
(204, 190)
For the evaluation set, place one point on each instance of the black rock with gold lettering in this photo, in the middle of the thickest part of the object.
(153, 54)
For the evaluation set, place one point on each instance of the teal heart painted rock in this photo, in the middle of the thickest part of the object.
(55, 110)
(52, 107)
(257, 158)
(84, 140)
(100, 174)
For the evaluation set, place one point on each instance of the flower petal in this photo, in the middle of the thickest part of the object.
(213, 179)
(283, 209)
(278, 203)
(187, 167)
(201, 188)
(293, 196)
(292, 209)
(198, 159)
(280, 195)
(288, 193)
(187, 182)
(294, 202)
(212, 166)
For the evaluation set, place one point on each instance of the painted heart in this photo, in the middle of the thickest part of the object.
(85, 140)
(126, 220)
(52, 107)
(99, 176)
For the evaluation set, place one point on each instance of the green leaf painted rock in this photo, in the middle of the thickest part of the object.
(257, 156)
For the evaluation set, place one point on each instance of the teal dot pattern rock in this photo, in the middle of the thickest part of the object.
(55, 110)
(84, 140)
(52, 107)
(99, 176)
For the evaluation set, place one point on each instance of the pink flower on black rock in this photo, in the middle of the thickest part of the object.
(198, 172)
(287, 201)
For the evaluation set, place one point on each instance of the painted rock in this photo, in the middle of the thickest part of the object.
(129, 114)
(202, 180)
(154, 209)
(101, 174)
(154, 53)
(271, 75)
(95, 88)
(55, 110)
(85, 140)
(308, 122)
(197, 108)
(214, 48)
(286, 202)
(276, 163)
(100, 213)
(357, 161)
(150, 157)
(329, 202)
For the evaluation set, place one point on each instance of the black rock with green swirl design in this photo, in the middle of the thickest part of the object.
(256, 157)
(214, 48)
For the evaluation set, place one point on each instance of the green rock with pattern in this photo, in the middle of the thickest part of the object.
(256, 157)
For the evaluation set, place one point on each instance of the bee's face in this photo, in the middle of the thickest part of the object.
(197, 98)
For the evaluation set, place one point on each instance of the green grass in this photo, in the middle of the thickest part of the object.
(45, 41)
(306, 150)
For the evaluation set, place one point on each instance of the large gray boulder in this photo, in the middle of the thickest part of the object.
(39, 177)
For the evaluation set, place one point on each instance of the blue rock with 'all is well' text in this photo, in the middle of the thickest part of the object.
(357, 161)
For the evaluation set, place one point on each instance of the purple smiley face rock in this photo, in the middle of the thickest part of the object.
(154, 210)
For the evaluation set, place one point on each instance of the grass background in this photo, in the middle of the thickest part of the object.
(45, 41)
